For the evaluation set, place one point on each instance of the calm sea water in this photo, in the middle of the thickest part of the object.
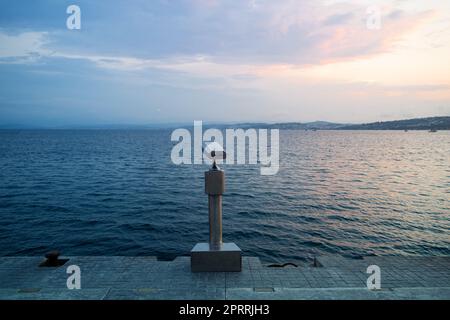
(100, 192)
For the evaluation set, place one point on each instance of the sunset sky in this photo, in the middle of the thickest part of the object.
(163, 61)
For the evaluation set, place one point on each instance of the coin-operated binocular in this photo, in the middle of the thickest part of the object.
(215, 256)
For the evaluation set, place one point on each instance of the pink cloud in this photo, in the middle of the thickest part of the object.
(352, 39)
(299, 33)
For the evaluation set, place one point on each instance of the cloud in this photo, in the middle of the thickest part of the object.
(351, 41)
(130, 36)
(31, 47)
(338, 18)
(24, 47)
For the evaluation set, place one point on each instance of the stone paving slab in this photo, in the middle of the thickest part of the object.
(339, 294)
(53, 294)
(166, 294)
(147, 278)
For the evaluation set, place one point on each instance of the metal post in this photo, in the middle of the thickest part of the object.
(215, 221)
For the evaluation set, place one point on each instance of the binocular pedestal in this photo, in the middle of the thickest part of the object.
(215, 256)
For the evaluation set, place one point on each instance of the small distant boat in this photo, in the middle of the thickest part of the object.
(432, 130)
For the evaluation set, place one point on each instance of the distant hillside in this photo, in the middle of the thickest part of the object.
(316, 125)
(435, 123)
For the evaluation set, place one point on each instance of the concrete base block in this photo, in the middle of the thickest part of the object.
(227, 258)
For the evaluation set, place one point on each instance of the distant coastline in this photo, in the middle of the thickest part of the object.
(429, 123)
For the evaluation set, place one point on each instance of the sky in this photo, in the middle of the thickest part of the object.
(162, 61)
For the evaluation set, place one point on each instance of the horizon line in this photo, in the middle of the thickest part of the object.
(168, 125)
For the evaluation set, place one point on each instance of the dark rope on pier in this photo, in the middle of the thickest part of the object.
(282, 265)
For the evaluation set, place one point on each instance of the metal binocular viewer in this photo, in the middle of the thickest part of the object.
(215, 256)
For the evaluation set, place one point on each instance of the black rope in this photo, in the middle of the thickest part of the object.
(282, 265)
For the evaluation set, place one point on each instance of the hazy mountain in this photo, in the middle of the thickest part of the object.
(436, 123)
(316, 125)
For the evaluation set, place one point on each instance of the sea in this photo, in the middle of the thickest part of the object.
(117, 192)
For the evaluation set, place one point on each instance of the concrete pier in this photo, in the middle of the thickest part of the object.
(148, 278)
